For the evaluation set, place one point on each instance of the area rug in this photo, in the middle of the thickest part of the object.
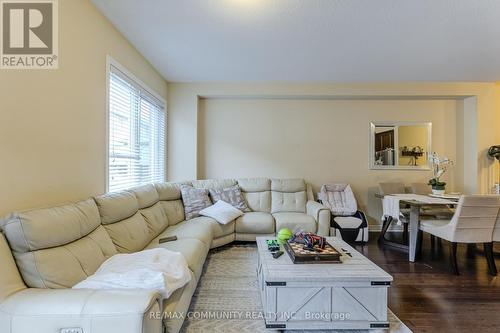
(227, 298)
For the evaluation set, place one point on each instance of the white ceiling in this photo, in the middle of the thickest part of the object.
(314, 40)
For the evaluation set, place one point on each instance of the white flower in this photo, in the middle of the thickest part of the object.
(439, 165)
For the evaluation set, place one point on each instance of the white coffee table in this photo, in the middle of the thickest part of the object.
(348, 295)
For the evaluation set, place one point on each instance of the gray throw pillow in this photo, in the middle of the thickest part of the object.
(194, 200)
(231, 195)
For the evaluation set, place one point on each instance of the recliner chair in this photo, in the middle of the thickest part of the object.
(348, 222)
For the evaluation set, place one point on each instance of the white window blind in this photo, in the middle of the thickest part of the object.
(136, 134)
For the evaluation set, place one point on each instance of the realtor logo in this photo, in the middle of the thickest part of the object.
(29, 38)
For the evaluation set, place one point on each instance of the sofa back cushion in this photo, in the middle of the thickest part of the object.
(171, 201)
(60, 246)
(257, 193)
(288, 195)
(146, 195)
(212, 184)
(156, 218)
(124, 223)
(150, 208)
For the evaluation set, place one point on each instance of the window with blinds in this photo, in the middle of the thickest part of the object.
(136, 134)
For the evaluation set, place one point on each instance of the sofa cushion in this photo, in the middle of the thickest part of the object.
(293, 221)
(231, 195)
(213, 183)
(174, 210)
(218, 230)
(146, 195)
(116, 206)
(60, 246)
(288, 202)
(288, 185)
(258, 201)
(190, 229)
(194, 250)
(66, 265)
(50, 227)
(254, 184)
(194, 200)
(257, 193)
(169, 191)
(131, 234)
(288, 195)
(255, 223)
(156, 218)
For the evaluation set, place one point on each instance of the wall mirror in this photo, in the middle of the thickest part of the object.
(400, 145)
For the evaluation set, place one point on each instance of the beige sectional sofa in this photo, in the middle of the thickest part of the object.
(44, 252)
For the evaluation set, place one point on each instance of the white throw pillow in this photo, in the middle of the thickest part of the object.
(222, 212)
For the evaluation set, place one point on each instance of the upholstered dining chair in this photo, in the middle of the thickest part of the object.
(439, 212)
(394, 188)
(391, 188)
(421, 188)
(473, 222)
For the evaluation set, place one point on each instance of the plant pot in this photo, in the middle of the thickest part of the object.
(438, 192)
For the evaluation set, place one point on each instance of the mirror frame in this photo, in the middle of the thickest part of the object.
(371, 158)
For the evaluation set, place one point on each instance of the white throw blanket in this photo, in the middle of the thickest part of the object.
(155, 269)
(390, 205)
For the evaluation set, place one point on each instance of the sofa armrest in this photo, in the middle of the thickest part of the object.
(322, 216)
(93, 311)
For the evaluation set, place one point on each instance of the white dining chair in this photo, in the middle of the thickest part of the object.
(473, 222)
(433, 212)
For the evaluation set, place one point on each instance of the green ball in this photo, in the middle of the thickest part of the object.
(284, 235)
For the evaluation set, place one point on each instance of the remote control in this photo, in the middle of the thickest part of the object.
(167, 239)
(278, 254)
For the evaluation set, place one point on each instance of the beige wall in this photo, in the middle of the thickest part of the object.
(475, 127)
(320, 140)
(52, 122)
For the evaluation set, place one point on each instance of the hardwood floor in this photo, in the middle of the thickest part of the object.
(427, 297)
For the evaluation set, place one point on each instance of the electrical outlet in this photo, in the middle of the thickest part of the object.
(71, 330)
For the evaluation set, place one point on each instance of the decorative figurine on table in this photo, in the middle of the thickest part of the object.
(311, 241)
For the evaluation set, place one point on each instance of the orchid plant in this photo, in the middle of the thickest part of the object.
(439, 167)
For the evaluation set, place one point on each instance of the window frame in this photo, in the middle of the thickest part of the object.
(110, 62)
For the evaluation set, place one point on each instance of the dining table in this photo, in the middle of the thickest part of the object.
(415, 203)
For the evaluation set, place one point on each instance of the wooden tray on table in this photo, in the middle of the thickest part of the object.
(300, 255)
